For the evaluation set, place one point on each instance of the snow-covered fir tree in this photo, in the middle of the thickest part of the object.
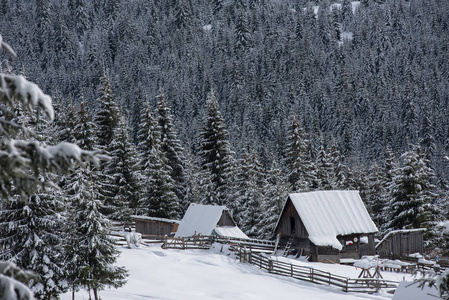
(301, 175)
(325, 169)
(216, 156)
(25, 174)
(250, 194)
(123, 168)
(412, 193)
(171, 147)
(276, 193)
(158, 197)
(35, 230)
(91, 253)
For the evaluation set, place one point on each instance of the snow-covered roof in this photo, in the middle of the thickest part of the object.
(203, 219)
(230, 231)
(327, 214)
(155, 219)
(399, 231)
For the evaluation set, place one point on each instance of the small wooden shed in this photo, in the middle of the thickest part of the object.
(155, 227)
(327, 225)
(208, 220)
(401, 243)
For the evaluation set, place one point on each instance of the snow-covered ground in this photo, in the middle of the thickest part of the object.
(155, 273)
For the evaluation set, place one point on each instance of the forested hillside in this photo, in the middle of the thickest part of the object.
(238, 102)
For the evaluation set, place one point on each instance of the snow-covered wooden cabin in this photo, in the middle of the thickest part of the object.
(327, 225)
(208, 220)
(155, 227)
(398, 243)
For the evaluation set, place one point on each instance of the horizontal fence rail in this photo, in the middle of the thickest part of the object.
(206, 241)
(362, 285)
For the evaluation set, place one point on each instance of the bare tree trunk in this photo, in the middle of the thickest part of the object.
(95, 293)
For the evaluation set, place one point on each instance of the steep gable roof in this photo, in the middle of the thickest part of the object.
(203, 219)
(328, 214)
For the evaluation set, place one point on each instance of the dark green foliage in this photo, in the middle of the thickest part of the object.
(412, 193)
(216, 157)
(158, 198)
(91, 252)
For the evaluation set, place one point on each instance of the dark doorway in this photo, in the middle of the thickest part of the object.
(292, 224)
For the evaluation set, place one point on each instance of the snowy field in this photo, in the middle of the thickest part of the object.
(155, 273)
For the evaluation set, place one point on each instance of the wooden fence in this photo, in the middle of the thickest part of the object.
(191, 242)
(360, 285)
(206, 241)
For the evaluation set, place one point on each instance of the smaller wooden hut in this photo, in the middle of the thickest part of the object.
(155, 227)
(208, 220)
(401, 243)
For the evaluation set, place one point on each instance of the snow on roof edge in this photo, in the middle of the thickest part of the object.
(328, 214)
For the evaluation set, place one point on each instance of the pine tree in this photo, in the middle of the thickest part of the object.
(91, 252)
(23, 165)
(325, 171)
(250, 194)
(276, 193)
(412, 192)
(158, 197)
(108, 114)
(216, 157)
(171, 147)
(35, 231)
(301, 175)
(123, 168)
(374, 199)
(242, 34)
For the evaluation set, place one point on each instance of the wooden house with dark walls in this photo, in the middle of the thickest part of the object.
(327, 225)
(152, 227)
(401, 243)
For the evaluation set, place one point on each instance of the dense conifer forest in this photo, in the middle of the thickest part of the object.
(237, 103)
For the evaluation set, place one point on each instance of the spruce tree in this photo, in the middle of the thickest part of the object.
(250, 194)
(301, 176)
(123, 168)
(412, 192)
(276, 193)
(91, 253)
(35, 232)
(158, 198)
(216, 157)
(171, 147)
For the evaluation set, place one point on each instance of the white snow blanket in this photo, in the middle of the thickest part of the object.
(203, 219)
(327, 214)
(408, 290)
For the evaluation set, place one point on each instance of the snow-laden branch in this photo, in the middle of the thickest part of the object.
(11, 282)
(17, 87)
(4, 46)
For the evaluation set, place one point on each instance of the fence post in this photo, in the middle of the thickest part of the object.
(270, 265)
(311, 275)
(183, 243)
(347, 283)
(291, 270)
